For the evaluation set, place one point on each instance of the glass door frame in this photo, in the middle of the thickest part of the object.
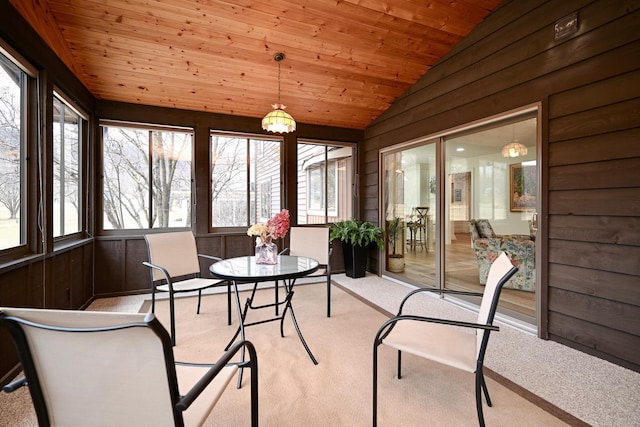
(439, 139)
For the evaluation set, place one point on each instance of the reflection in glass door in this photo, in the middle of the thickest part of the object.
(490, 202)
(409, 203)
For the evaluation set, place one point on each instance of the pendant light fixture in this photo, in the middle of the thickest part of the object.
(514, 148)
(278, 120)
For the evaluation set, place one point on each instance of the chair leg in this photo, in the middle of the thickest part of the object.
(228, 303)
(328, 296)
(173, 319)
(375, 385)
(277, 297)
(486, 392)
(479, 381)
(399, 364)
(199, 300)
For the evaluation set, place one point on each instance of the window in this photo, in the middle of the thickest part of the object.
(146, 177)
(245, 179)
(68, 132)
(324, 183)
(322, 188)
(13, 133)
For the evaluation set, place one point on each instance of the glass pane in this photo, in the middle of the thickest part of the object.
(245, 180)
(126, 178)
(265, 179)
(410, 208)
(171, 174)
(66, 175)
(12, 89)
(324, 183)
(229, 181)
(490, 198)
(394, 208)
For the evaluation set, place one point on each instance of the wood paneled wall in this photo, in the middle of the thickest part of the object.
(588, 86)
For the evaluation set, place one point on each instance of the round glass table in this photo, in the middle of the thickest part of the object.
(245, 269)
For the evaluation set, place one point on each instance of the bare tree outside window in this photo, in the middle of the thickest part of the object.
(136, 196)
(66, 172)
(12, 84)
(245, 180)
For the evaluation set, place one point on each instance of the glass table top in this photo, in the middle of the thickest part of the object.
(245, 268)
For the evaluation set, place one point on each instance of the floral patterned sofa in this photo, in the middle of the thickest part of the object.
(520, 248)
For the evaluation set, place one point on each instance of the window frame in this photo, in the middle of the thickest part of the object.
(331, 155)
(226, 229)
(28, 240)
(83, 143)
(150, 128)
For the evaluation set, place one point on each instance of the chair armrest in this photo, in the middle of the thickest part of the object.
(186, 400)
(211, 257)
(167, 276)
(440, 291)
(284, 251)
(519, 236)
(387, 326)
(157, 267)
(13, 386)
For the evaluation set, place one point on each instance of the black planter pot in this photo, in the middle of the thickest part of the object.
(355, 260)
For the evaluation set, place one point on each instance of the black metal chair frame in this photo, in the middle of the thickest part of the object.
(480, 384)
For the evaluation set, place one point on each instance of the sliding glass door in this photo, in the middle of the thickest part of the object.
(458, 209)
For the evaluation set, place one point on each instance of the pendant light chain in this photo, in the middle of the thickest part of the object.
(279, 82)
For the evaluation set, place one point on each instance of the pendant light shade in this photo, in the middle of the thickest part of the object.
(278, 120)
(514, 149)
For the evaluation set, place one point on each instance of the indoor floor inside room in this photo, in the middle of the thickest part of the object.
(461, 273)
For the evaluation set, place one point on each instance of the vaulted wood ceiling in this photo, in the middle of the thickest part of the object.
(346, 60)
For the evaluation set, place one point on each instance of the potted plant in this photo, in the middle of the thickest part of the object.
(356, 238)
(395, 229)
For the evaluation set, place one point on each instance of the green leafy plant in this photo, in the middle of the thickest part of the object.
(358, 233)
(395, 227)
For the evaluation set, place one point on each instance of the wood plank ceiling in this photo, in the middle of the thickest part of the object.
(346, 60)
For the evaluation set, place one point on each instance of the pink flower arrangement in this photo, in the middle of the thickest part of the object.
(275, 228)
(279, 224)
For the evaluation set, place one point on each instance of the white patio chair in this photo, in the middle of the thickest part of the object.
(313, 242)
(173, 259)
(115, 369)
(445, 341)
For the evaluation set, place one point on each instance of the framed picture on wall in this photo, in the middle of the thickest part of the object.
(460, 206)
(522, 186)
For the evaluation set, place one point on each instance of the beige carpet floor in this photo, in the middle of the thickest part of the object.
(336, 392)
(596, 391)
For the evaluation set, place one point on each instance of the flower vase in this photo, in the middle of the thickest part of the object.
(266, 252)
